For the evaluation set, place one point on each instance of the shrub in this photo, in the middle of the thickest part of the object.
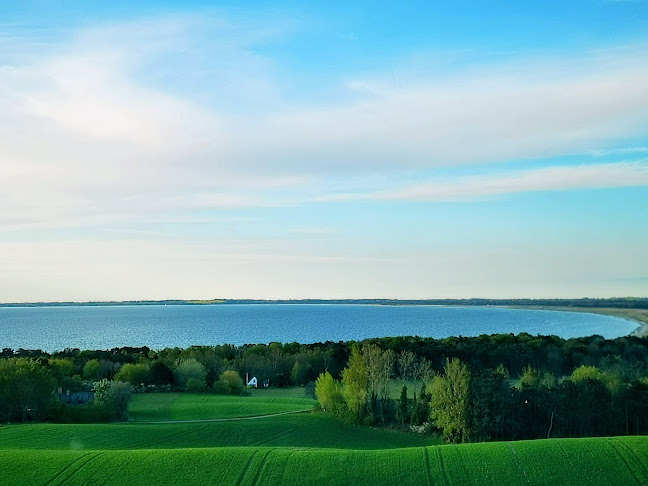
(135, 374)
(229, 382)
(186, 369)
(113, 396)
(195, 386)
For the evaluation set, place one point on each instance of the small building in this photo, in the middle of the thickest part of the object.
(253, 382)
(75, 398)
(266, 383)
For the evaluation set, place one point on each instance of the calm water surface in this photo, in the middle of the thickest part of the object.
(159, 326)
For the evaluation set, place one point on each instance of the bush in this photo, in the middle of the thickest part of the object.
(87, 413)
(186, 369)
(113, 396)
(229, 382)
(135, 374)
(195, 386)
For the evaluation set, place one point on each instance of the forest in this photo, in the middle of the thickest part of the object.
(490, 387)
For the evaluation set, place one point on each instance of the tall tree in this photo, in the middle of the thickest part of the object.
(406, 365)
(402, 411)
(26, 389)
(355, 381)
(450, 401)
(328, 391)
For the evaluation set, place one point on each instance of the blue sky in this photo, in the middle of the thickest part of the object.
(157, 150)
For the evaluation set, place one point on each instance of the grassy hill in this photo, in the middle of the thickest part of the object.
(186, 406)
(304, 449)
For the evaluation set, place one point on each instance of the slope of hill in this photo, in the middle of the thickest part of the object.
(302, 448)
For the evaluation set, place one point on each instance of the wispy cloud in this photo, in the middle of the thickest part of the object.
(622, 174)
(620, 151)
(314, 231)
(86, 138)
(544, 179)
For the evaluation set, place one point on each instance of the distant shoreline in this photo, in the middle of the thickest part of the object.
(615, 303)
(631, 309)
(637, 316)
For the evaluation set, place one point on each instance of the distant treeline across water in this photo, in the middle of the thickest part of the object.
(615, 302)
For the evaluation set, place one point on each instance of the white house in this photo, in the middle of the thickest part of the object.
(252, 382)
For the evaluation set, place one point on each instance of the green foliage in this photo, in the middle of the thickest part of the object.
(403, 408)
(328, 392)
(450, 401)
(583, 373)
(113, 396)
(87, 413)
(229, 382)
(26, 390)
(355, 381)
(379, 365)
(421, 407)
(491, 407)
(407, 365)
(161, 374)
(62, 368)
(532, 377)
(195, 386)
(91, 370)
(188, 368)
(135, 374)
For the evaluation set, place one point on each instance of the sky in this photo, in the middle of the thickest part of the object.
(199, 150)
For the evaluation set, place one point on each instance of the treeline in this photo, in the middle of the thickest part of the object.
(298, 364)
(614, 302)
(27, 393)
(519, 386)
(464, 404)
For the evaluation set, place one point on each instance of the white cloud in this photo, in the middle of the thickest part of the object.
(622, 174)
(86, 139)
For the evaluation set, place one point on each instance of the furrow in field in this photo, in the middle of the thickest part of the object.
(72, 473)
(246, 468)
(71, 464)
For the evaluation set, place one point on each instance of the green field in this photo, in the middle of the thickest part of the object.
(302, 448)
(185, 406)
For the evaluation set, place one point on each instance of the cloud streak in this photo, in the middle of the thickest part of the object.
(622, 174)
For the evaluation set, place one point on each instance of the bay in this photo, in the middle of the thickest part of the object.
(159, 326)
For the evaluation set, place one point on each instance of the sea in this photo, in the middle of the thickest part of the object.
(162, 326)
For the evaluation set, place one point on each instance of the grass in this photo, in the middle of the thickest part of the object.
(152, 407)
(583, 462)
(291, 391)
(304, 448)
(299, 430)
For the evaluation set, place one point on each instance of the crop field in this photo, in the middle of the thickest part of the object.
(302, 448)
(299, 430)
(155, 407)
(559, 461)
